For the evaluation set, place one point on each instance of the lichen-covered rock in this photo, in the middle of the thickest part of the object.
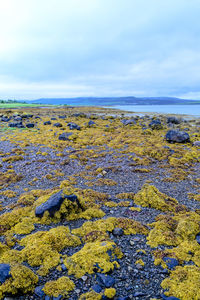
(53, 204)
(176, 136)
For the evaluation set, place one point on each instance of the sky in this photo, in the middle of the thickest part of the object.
(73, 48)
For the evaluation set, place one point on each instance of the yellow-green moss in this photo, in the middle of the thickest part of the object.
(92, 295)
(93, 255)
(42, 248)
(61, 286)
(150, 196)
(183, 283)
(110, 293)
(22, 280)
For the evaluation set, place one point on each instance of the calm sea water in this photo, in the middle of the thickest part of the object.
(167, 109)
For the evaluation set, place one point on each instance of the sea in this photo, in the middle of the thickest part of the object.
(192, 110)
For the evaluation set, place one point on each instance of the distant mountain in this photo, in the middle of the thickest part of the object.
(109, 101)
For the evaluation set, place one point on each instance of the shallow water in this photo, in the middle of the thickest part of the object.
(166, 109)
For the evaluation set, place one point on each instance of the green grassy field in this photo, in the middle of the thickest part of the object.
(19, 104)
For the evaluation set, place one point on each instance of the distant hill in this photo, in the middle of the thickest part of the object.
(109, 101)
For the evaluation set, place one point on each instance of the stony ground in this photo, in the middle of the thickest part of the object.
(143, 190)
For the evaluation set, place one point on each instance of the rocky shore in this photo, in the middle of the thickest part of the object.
(98, 205)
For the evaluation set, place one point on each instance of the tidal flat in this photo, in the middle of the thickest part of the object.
(97, 203)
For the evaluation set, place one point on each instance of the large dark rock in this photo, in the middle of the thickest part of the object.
(57, 125)
(91, 123)
(53, 204)
(173, 120)
(47, 123)
(65, 136)
(176, 136)
(155, 124)
(73, 126)
(4, 272)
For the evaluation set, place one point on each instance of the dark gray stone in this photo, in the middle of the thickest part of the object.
(30, 125)
(4, 272)
(47, 123)
(53, 204)
(91, 123)
(39, 292)
(171, 262)
(118, 231)
(73, 126)
(176, 136)
(169, 298)
(196, 144)
(97, 288)
(105, 280)
(198, 238)
(57, 124)
(173, 120)
(65, 136)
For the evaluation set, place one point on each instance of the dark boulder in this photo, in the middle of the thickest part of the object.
(47, 123)
(57, 125)
(155, 124)
(73, 126)
(53, 204)
(4, 272)
(62, 117)
(174, 120)
(176, 136)
(65, 136)
(30, 125)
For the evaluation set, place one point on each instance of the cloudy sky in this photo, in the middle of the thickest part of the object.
(69, 48)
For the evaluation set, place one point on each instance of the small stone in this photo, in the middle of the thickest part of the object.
(118, 231)
(132, 242)
(84, 278)
(139, 294)
(39, 292)
(64, 268)
(77, 291)
(47, 123)
(196, 144)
